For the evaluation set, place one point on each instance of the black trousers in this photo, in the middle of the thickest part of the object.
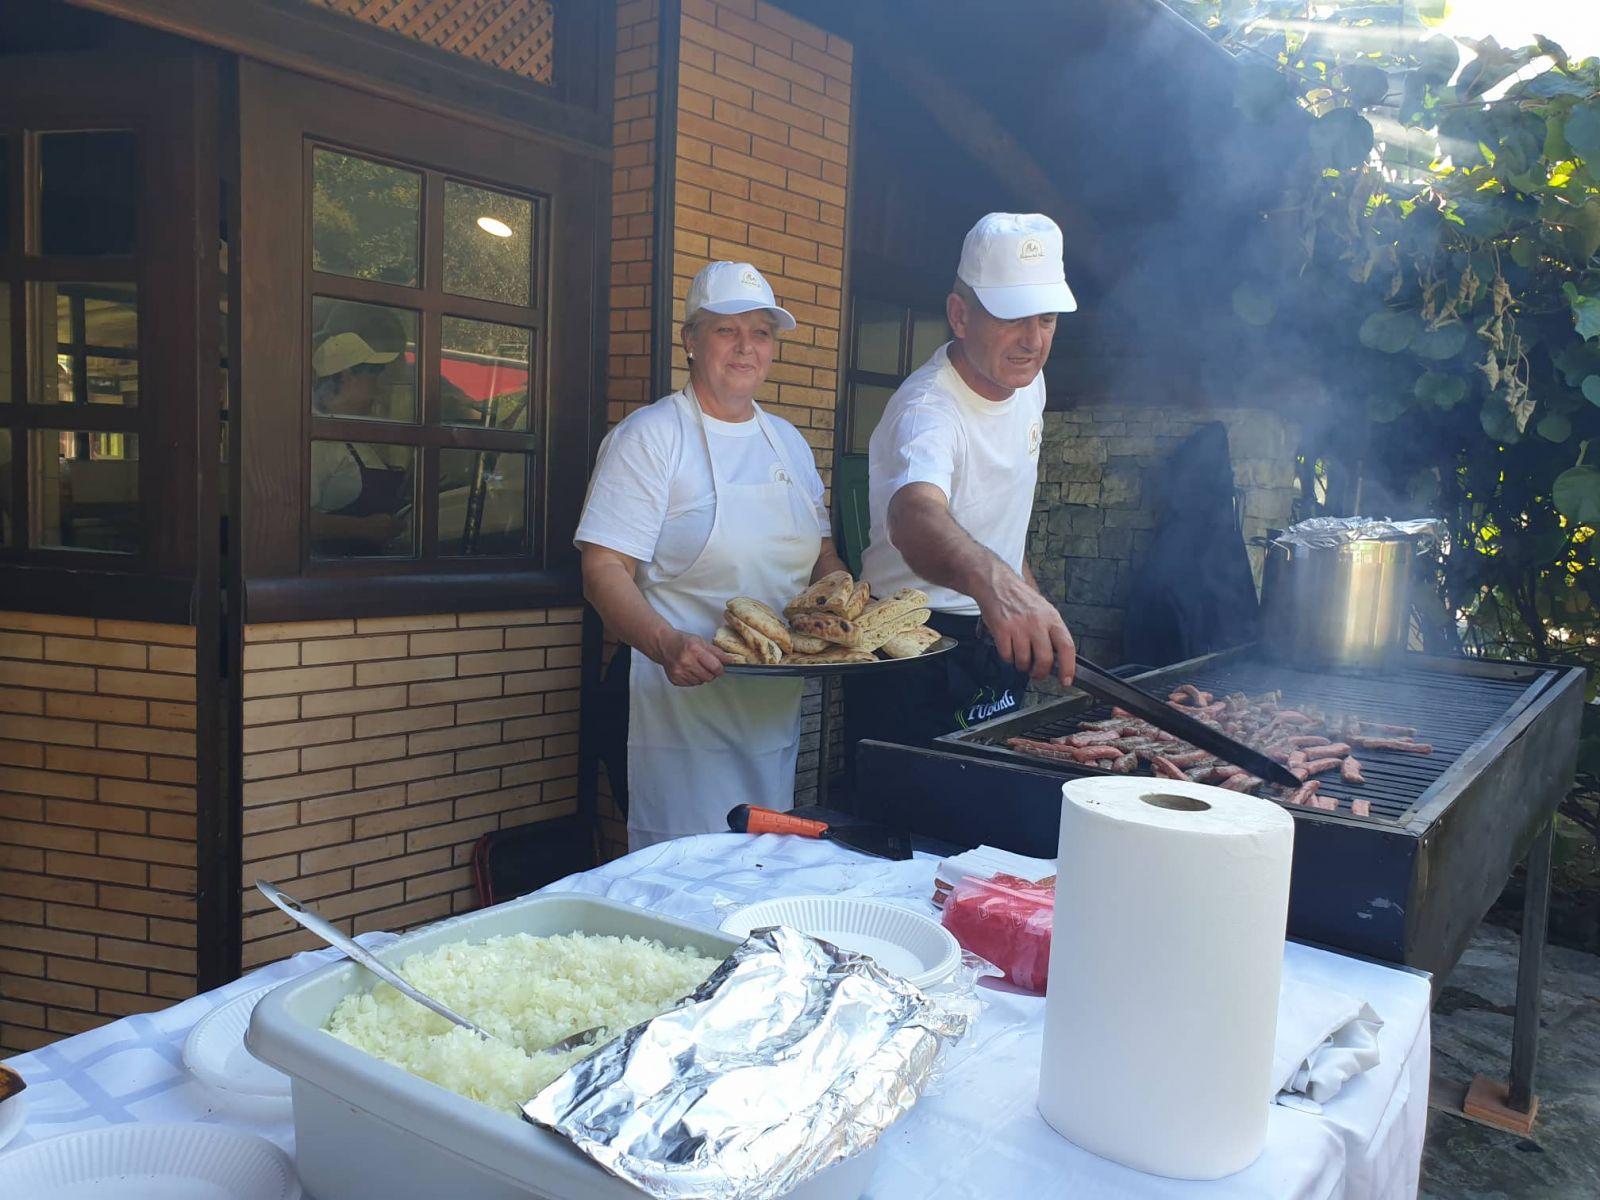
(913, 705)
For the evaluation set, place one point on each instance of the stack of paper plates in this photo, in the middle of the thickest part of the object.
(216, 1053)
(904, 943)
(150, 1162)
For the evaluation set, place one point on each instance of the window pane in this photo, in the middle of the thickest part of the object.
(928, 333)
(362, 497)
(88, 192)
(96, 344)
(363, 360)
(866, 410)
(486, 371)
(85, 490)
(366, 218)
(5, 488)
(488, 244)
(482, 502)
(877, 342)
(5, 195)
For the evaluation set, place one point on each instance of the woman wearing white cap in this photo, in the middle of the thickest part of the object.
(698, 498)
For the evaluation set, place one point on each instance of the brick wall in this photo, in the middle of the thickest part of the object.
(763, 147)
(97, 823)
(1094, 516)
(632, 208)
(377, 751)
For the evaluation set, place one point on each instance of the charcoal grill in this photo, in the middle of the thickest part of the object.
(1407, 884)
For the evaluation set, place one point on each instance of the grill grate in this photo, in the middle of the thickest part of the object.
(1450, 710)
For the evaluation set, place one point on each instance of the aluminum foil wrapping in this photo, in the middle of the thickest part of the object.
(1325, 533)
(792, 1056)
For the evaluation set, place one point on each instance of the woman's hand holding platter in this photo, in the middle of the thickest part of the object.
(688, 660)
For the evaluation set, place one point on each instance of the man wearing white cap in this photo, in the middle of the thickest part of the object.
(951, 473)
(699, 498)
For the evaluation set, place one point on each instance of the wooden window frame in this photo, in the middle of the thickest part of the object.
(158, 99)
(854, 375)
(282, 117)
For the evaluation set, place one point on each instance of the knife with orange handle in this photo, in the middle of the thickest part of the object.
(876, 840)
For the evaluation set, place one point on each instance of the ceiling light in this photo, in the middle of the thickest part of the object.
(495, 226)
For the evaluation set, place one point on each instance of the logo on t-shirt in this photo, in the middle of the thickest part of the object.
(1035, 432)
(1030, 249)
(779, 474)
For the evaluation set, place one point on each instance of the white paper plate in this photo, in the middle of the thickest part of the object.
(13, 1116)
(151, 1162)
(902, 942)
(215, 1052)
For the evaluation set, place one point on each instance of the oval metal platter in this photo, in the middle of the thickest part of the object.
(943, 646)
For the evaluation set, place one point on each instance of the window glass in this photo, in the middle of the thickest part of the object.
(85, 490)
(362, 499)
(877, 341)
(366, 218)
(488, 244)
(363, 360)
(5, 488)
(867, 403)
(482, 502)
(486, 369)
(96, 343)
(88, 192)
(928, 333)
(5, 195)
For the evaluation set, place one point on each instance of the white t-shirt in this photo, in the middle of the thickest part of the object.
(653, 499)
(982, 454)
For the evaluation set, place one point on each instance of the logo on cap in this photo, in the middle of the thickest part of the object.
(1031, 249)
(749, 278)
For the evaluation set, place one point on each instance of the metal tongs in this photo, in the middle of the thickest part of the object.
(1105, 686)
(329, 933)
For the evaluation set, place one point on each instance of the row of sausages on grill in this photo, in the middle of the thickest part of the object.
(1305, 741)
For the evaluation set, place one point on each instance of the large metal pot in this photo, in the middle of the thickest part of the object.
(1338, 597)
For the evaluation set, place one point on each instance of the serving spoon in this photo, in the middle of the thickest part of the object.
(330, 933)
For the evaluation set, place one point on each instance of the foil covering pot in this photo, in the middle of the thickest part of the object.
(794, 1055)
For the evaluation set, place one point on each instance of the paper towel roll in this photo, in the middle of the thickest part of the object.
(1171, 899)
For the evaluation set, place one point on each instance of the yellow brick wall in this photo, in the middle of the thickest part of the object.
(377, 751)
(632, 208)
(97, 823)
(763, 150)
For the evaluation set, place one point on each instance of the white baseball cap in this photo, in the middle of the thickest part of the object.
(1012, 261)
(734, 287)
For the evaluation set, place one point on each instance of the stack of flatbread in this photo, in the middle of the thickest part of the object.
(835, 620)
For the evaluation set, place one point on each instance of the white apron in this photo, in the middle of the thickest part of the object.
(695, 752)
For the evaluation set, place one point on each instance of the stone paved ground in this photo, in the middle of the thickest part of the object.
(1472, 1034)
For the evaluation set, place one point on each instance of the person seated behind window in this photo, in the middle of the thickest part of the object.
(360, 498)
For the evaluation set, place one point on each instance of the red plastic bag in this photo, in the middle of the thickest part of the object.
(1007, 921)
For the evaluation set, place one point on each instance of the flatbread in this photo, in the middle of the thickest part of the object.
(878, 634)
(831, 593)
(829, 627)
(890, 608)
(763, 649)
(910, 643)
(755, 615)
(859, 599)
(731, 644)
(804, 643)
(834, 654)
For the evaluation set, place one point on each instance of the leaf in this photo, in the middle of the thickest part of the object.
(1582, 131)
(1549, 85)
(1366, 84)
(1524, 251)
(1591, 390)
(1585, 311)
(1438, 58)
(1383, 407)
(1390, 330)
(1577, 495)
(1483, 214)
(1440, 390)
(1555, 428)
(1253, 304)
(1583, 231)
(1498, 421)
(1441, 343)
(1551, 49)
(1341, 138)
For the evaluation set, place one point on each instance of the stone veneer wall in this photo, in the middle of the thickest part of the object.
(378, 750)
(97, 823)
(1093, 516)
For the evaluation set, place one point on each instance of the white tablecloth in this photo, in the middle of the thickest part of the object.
(977, 1137)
